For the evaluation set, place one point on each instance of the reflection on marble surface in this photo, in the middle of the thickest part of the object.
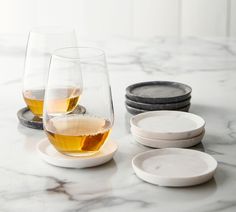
(208, 65)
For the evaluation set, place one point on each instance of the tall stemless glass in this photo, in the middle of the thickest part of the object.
(78, 134)
(42, 41)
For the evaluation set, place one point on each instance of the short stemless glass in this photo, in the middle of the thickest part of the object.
(42, 41)
(78, 134)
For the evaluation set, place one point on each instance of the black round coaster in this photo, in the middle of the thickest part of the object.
(28, 119)
(162, 106)
(135, 111)
(156, 92)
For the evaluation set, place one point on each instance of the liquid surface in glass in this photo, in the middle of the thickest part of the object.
(64, 100)
(78, 134)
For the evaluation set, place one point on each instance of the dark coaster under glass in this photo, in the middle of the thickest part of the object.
(28, 119)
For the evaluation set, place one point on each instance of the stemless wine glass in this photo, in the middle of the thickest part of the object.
(78, 134)
(42, 41)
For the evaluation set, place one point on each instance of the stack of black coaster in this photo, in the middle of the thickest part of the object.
(157, 95)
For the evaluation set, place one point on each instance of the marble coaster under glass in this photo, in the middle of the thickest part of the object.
(49, 154)
(28, 119)
(174, 167)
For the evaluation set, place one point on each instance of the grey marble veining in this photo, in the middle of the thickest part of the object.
(208, 65)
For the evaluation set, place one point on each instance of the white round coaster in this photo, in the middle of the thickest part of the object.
(167, 125)
(162, 143)
(49, 154)
(174, 167)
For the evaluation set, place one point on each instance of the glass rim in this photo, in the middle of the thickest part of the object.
(99, 51)
(51, 29)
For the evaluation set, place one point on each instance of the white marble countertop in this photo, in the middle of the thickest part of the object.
(208, 65)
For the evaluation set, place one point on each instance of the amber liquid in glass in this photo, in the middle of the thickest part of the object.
(65, 100)
(78, 135)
